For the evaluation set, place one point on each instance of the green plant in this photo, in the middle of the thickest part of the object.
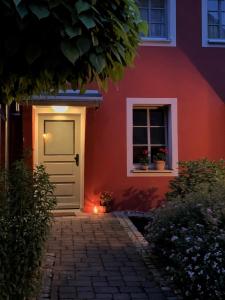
(188, 238)
(192, 174)
(144, 158)
(51, 44)
(106, 199)
(26, 200)
(161, 154)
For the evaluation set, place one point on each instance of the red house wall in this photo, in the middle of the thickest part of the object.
(188, 72)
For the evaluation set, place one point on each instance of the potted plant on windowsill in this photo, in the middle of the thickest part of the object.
(160, 159)
(144, 160)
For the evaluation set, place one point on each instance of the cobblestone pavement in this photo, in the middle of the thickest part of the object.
(96, 259)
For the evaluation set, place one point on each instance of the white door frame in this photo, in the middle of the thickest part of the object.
(38, 110)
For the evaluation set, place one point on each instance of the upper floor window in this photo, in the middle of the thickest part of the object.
(155, 13)
(213, 23)
(160, 16)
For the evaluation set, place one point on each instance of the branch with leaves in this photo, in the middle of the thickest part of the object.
(46, 44)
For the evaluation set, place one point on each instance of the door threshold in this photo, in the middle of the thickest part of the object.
(65, 212)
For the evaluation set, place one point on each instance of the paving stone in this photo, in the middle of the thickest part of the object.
(94, 258)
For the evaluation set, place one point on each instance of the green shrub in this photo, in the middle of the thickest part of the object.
(25, 202)
(192, 174)
(188, 238)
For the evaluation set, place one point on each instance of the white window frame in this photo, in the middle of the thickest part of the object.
(172, 136)
(206, 42)
(170, 41)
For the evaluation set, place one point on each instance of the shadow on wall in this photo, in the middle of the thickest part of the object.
(135, 199)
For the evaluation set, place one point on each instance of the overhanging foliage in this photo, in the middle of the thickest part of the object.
(47, 43)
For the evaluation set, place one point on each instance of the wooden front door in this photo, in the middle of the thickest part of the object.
(59, 152)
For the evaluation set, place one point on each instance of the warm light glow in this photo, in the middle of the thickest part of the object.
(95, 210)
(60, 109)
(45, 136)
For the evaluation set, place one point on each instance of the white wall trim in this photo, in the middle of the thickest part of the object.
(206, 42)
(71, 110)
(171, 40)
(172, 102)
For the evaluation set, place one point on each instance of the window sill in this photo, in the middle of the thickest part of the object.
(149, 172)
(216, 41)
(147, 41)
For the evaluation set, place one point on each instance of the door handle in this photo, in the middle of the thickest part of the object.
(77, 159)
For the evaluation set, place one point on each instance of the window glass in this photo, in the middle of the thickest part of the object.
(154, 12)
(216, 19)
(213, 4)
(140, 135)
(157, 117)
(140, 117)
(157, 3)
(149, 131)
(138, 153)
(157, 135)
(213, 18)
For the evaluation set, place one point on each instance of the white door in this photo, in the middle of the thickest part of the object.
(59, 152)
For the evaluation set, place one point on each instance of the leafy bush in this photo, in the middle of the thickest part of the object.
(25, 203)
(188, 237)
(192, 174)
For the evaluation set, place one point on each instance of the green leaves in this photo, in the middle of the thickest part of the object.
(97, 61)
(33, 51)
(72, 31)
(39, 10)
(82, 6)
(70, 51)
(26, 199)
(83, 44)
(62, 40)
(87, 21)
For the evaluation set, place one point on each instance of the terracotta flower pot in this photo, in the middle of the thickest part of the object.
(160, 165)
(144, 167)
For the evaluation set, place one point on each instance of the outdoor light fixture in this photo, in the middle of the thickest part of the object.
(95, 210)
(60, 109)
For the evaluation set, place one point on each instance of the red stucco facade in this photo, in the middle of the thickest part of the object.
(188, 72)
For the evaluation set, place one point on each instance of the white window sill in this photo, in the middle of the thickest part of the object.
(216, 41)
(149, 172)
(147, 41)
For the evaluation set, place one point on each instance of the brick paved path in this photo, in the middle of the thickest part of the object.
(95, 259)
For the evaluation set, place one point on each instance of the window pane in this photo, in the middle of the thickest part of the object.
(157, 117)
(138, 153)
(158, 30)
(222, 5)
(158, 3)
(144, 14)
(157, 16)
(140, 117)
(213, 5)
(213, 18)
(140, 135)
(223, 19)
(213, 32)
(157, 135)
(223, 32)
(143, 3)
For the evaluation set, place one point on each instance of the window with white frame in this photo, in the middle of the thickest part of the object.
(150, 131)
(160, 16)
(151, 127)
(155, 13)
(213, 22)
